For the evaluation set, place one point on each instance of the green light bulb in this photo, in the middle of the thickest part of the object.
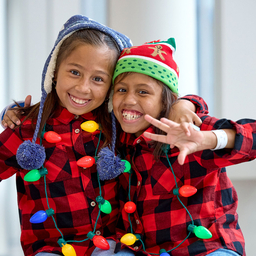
(35, 175)
(200, 231)
(127, 166)
(104, 205)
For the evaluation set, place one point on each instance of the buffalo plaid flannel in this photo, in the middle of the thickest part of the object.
(160, 218)
(72, 190)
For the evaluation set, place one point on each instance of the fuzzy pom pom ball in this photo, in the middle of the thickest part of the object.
(109, 166)
(30, 156)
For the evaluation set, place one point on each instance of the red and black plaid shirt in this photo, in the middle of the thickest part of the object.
(160, 218)
(72, 190)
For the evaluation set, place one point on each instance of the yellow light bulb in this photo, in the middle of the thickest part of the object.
(128, 239)
(68, 250)
(89, 126)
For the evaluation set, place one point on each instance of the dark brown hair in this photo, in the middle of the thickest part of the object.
(168, 99)
(84, 36)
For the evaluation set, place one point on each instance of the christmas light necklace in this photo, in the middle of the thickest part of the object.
(185, 191)
(104, 205)
(85, 162)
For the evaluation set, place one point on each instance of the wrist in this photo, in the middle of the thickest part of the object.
(209, 140)
(222, 139)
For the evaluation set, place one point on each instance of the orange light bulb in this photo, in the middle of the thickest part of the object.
(98, 241)
(101, 242)
(86, 161)
(52, 137)
(185, 191)
(130, 207)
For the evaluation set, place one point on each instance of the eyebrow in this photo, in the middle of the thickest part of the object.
(141, 84)
(79, 66)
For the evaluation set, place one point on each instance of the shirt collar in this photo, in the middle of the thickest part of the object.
(65, 117)
(131, 139)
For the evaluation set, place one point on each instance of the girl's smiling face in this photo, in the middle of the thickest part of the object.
(84, 78)
(134, 96)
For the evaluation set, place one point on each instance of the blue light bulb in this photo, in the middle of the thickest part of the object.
(163, 252)
(41, 216)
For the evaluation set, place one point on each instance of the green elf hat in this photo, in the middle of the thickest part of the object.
(154, 59)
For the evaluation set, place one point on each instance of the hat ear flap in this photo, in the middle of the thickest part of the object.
(109, 166)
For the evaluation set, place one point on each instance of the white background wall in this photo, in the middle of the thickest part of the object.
(142, 20)
(235, 62)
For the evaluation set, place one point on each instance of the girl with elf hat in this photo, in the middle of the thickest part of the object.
(177, 198)
(65, 209)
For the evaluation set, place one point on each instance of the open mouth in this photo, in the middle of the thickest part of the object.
(131, 115)
(78, 101)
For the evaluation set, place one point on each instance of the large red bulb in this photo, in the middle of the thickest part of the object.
(130, 207)
(52, 137)
(101, 242)
(187, 190)
(86, 161)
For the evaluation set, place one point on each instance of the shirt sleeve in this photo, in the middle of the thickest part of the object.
(245, 141)
(9, 143)
(200, 104)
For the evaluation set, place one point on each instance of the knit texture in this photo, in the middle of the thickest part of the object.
(153, 59)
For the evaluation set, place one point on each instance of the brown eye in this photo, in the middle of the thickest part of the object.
(74, 72)
(121, 90)
(98, 79)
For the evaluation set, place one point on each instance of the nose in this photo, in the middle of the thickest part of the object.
(130, 98)
(83, 86)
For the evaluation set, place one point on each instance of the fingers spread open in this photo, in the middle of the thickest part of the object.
(157, 123)
(156, 137)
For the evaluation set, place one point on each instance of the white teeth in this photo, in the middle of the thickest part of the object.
(129, 116)
(78, 101)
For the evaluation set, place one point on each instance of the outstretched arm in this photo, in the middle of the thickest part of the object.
(185, 137)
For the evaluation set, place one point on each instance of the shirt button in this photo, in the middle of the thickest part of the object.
(138, 141)
(76, 116)
(137, 222)
(138, 183)
(98, 233)
(77, 130)
(93, 203)
(136, 248)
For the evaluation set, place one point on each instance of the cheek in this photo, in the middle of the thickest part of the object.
(155, 107)
(101, 92)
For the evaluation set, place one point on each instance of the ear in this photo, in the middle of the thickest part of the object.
(175, 96)
(54, 82)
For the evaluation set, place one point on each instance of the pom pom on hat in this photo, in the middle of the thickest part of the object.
(109, 165)
(30, 156)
